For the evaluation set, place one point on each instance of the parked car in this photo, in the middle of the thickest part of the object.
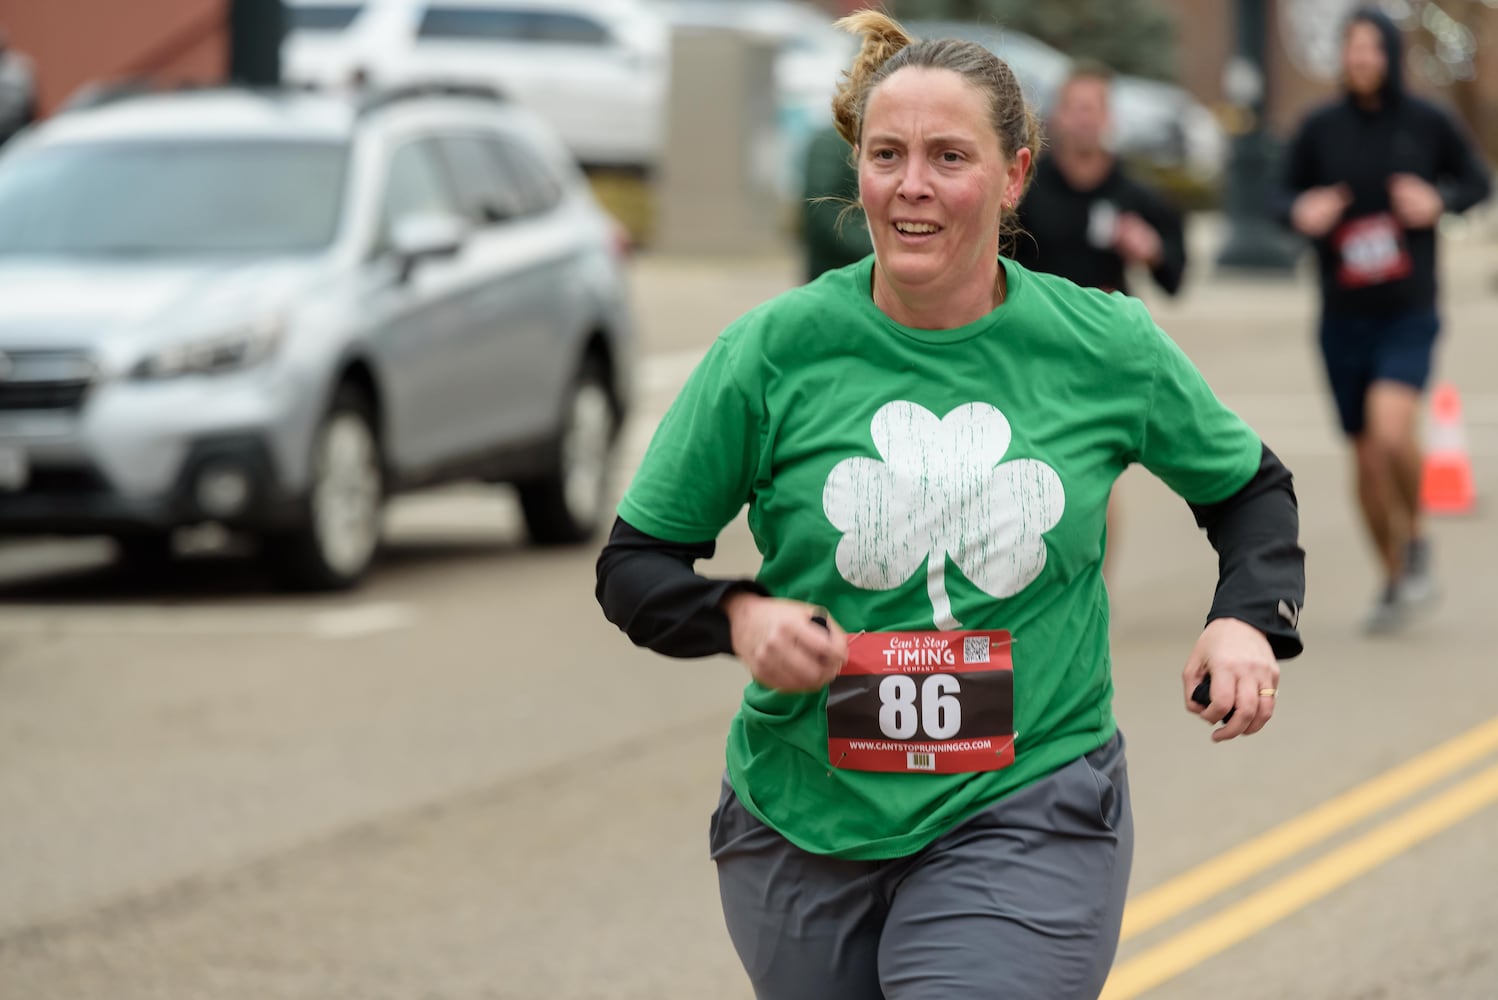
(1164, 125)
(1040, 68)
(272, 312)
(319, 47)
(1158, 124)
(810, 52)
(816, 58)
(595, 70)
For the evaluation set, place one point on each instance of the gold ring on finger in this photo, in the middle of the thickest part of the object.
(1267, 692)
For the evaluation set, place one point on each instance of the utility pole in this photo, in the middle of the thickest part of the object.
(1254, 241)
(256, 28)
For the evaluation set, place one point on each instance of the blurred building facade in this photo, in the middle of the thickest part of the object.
(75, 43)
(1453, 55)
(1303, 38)
(1453, 51)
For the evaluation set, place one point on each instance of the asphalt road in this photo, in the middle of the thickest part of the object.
(460, 782)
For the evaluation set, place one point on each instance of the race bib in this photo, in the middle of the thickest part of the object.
(935, 702)
(1372, 251)
(1102, 224)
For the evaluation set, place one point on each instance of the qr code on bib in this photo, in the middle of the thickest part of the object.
(975, 649)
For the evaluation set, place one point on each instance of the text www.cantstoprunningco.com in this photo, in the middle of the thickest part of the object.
(922, 747)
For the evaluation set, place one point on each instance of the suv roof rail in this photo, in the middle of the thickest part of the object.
(99, 94)
(102, 93)
(418, 90)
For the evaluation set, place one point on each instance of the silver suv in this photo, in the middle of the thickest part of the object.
(271, 311)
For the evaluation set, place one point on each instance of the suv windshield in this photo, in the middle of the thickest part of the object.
(248, 197)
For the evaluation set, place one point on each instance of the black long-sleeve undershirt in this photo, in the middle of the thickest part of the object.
(650, 589)
(647, 586)
(1261, 574)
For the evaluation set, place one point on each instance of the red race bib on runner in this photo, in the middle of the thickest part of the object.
(939, 702)
(1372, 250)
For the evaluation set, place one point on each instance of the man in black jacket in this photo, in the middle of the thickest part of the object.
(1085, 219)
(1367, 179)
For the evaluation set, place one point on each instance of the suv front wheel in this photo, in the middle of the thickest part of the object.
(568, 506)
(340, 532)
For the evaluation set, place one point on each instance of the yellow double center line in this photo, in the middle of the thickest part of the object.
(1299, 889)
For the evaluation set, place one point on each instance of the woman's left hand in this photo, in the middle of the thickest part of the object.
(1243, 669)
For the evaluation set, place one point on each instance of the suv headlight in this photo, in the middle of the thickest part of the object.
(231, 350)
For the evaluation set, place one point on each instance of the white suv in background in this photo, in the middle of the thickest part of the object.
(595, 70)
(272, 311)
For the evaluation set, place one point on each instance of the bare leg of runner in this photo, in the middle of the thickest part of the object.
(1393, 417)
(1376, 489)
(1389, 461)
(1394, 409)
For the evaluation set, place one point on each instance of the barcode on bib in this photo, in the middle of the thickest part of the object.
(920, 762)
(975, 649)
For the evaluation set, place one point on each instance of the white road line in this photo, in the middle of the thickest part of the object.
(468, 507)
(366, 619)
(175, 620)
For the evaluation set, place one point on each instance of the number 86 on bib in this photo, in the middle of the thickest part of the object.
(934, 702)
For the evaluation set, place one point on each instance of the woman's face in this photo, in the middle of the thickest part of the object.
(934, 180)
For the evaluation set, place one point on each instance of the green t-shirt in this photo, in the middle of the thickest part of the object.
(919, 479)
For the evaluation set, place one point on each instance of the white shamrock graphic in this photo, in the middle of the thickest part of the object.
(941, 488)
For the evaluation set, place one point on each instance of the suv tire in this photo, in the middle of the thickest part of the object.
(339, 535)
(568, 506)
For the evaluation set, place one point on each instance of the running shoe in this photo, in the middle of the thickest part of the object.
(1389, 614)
(1417, 584)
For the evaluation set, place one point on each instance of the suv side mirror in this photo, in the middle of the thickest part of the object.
(414, 238)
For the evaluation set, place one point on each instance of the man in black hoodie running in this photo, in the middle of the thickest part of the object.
(1368, 177)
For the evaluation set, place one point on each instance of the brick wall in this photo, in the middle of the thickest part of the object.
(77, 42)
(1206, 43)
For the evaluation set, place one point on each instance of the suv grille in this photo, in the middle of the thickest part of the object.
(44, 380)
(65, 480)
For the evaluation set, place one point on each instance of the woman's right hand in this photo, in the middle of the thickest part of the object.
(780, 644)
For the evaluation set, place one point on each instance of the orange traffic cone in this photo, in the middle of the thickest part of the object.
(1446, 482)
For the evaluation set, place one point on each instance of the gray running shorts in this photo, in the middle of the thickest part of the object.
(1021, 902)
